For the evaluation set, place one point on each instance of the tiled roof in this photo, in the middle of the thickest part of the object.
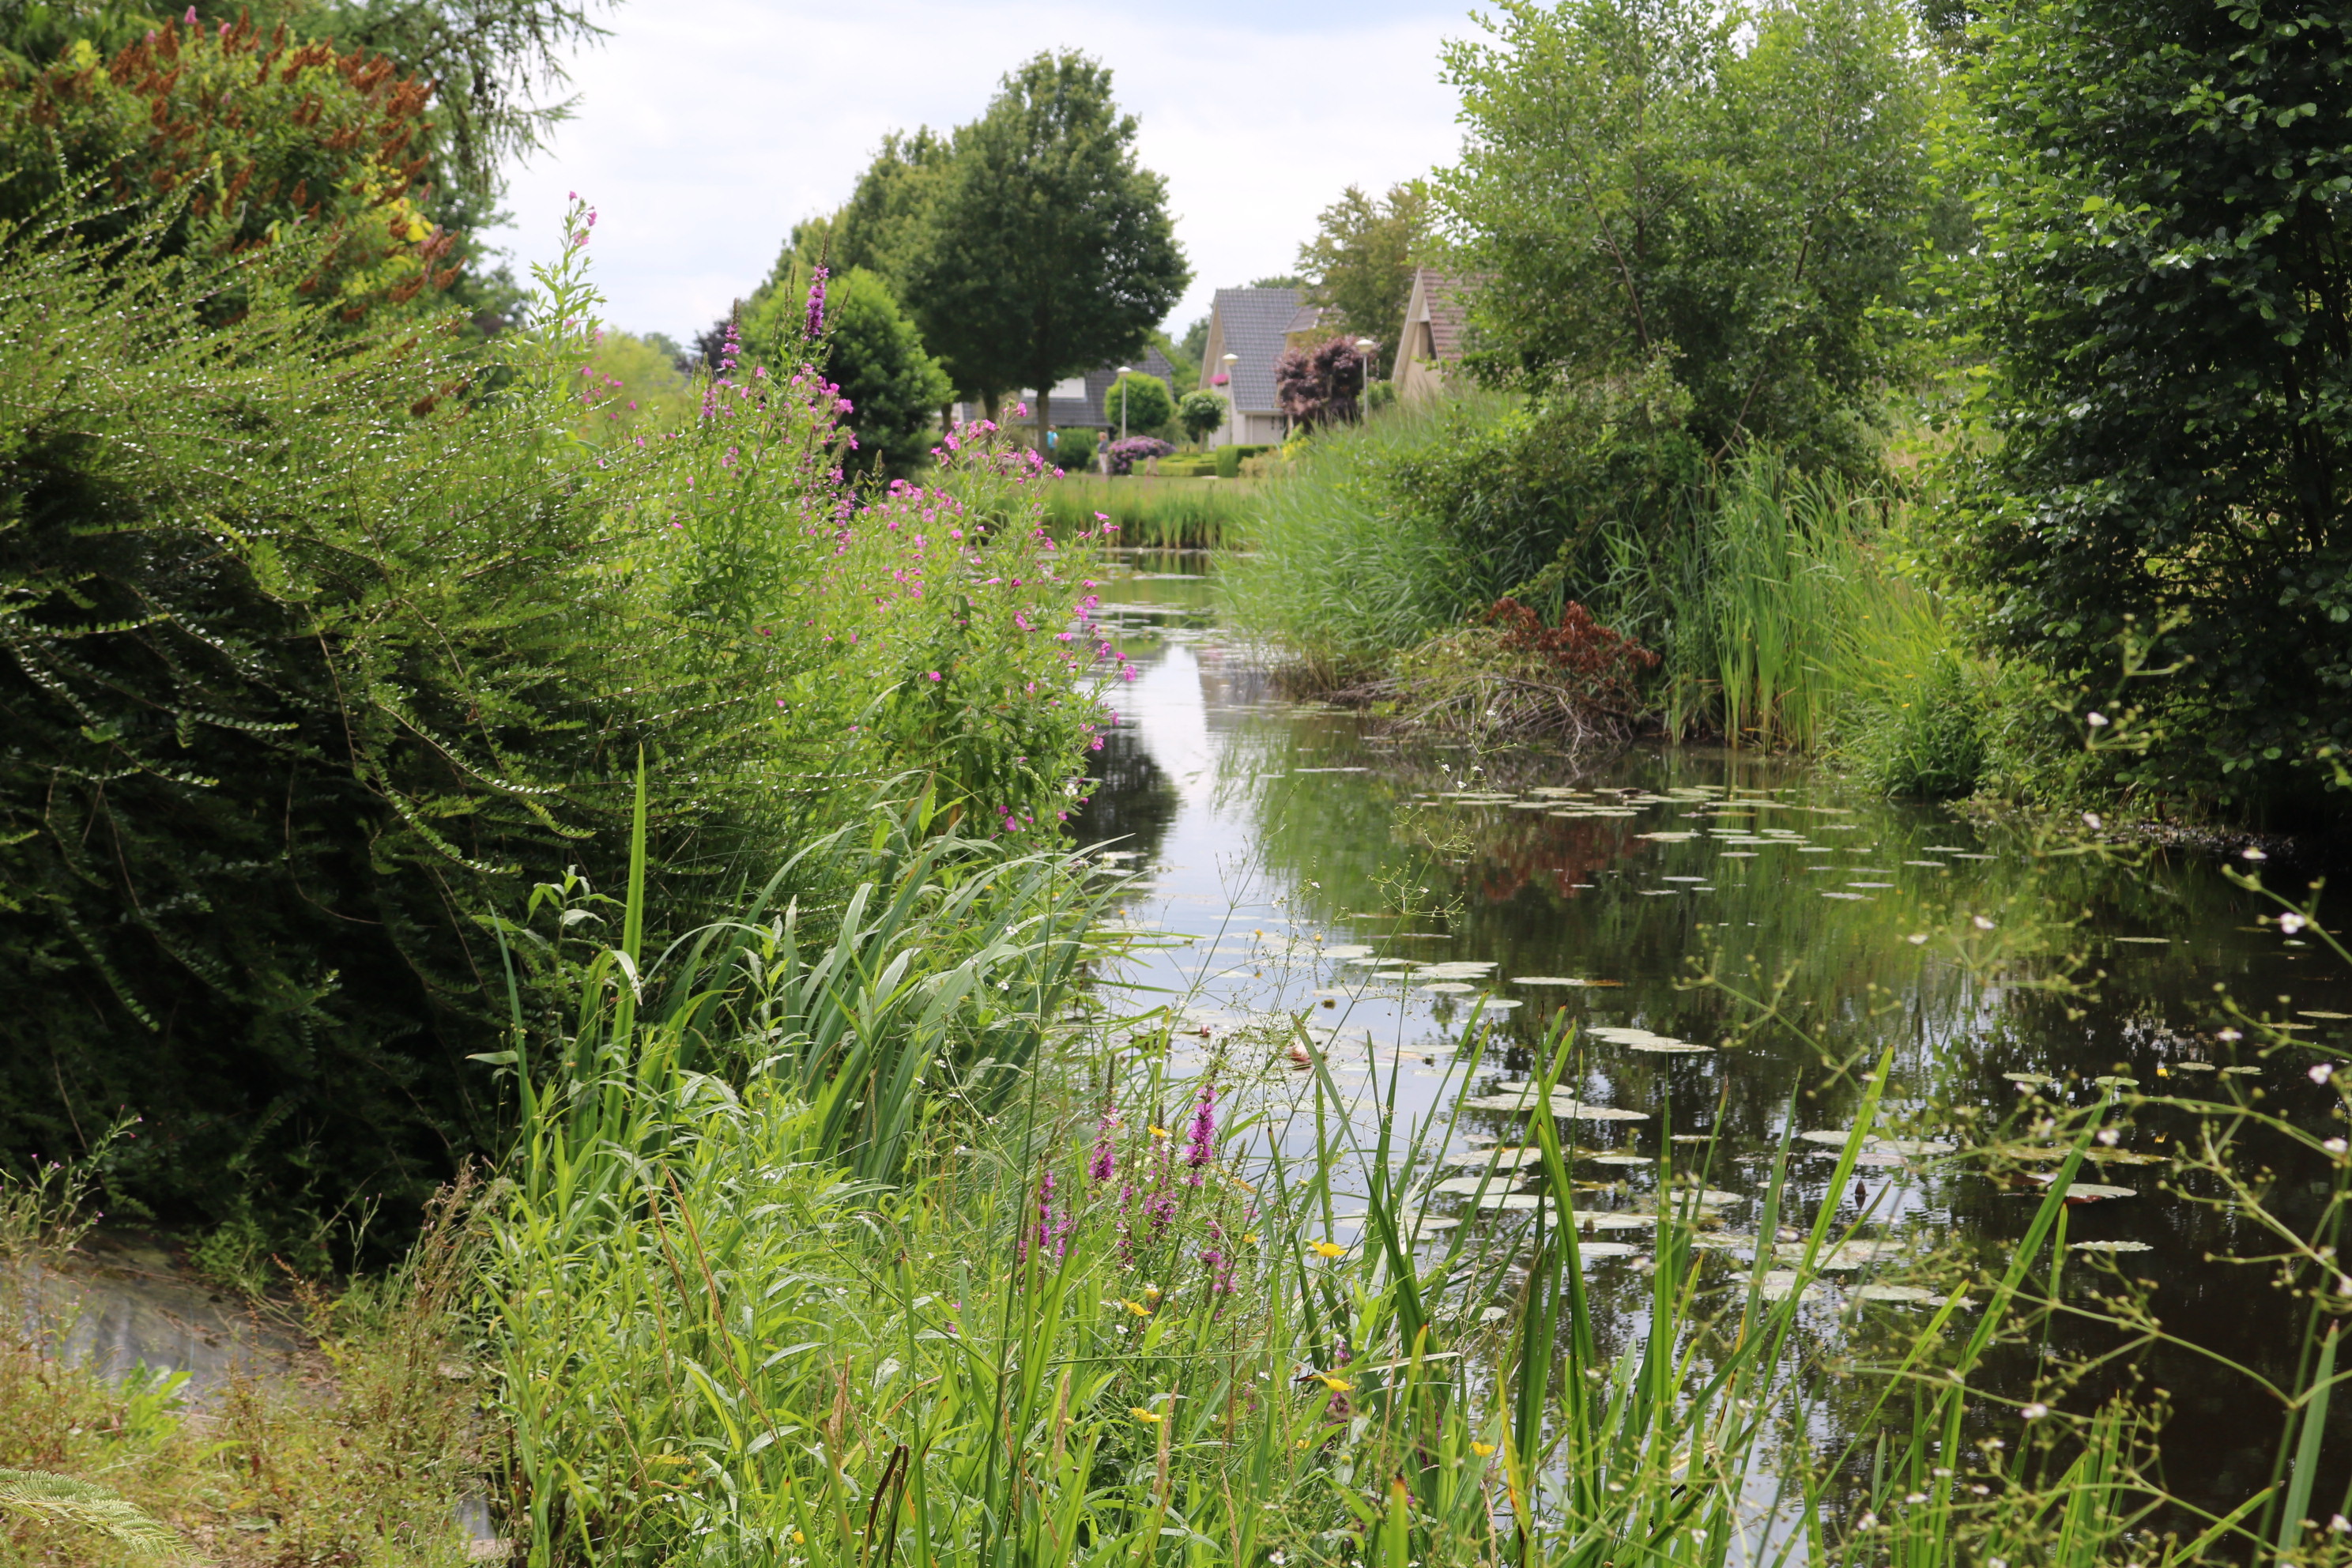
(1253, 321)
(1088, 410)
(1306, 319)
(1446, 309)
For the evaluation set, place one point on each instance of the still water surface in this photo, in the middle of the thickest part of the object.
(1294, 862)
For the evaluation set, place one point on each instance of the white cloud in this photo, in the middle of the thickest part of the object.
(706, 128)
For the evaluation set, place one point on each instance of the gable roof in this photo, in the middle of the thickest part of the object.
(1438, 298)
(1251, 324)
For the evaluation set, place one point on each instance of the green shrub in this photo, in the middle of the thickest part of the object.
(314, 666)
(870, 349)
(1073, 452)
(1231, 458)
(1378, 535)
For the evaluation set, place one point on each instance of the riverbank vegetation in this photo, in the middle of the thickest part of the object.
(1904, 510)
(607, 850)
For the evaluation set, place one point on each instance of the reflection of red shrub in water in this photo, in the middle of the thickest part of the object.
(1607, 662)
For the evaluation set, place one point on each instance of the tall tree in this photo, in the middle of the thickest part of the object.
(2165, 286)
(1731, 193)
(1050, 250)
(1362, 257)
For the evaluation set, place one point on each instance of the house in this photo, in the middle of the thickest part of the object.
(1078, 401)
(1312, 326)
(1431, 343)
(1251, 324)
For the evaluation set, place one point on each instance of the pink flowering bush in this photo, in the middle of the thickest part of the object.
(933, 633)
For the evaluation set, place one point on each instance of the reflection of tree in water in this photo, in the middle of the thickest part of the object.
(1133, 800)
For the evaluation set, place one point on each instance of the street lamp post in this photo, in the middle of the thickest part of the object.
(1364, 347)
(1233, 403)
(1124, 372)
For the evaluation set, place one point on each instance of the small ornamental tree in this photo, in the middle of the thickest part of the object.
(1321, 386)
(871, 350)
(1202, 414)
(1146, 404)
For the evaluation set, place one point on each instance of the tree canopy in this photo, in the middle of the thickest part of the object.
(2166, 196)
(1362, 259)
(1051, 248)
(1733, 193)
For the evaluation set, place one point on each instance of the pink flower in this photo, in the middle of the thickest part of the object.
(935, 675)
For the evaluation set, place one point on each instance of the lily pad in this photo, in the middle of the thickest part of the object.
(1446, 988)
(1906, 1295)
(1844, 1255)
(1597, 1249)
(1346, 949)
(1548, 980)
(2030, 1080)
(1780, 1284)
(2089, 1192)
(1515, 1202)
(1620, 1159)
(1614, 1219)
(2148, 940)
(2110, 1247)
(1497, 1159)
(2315, 1013)
(1464, 1186)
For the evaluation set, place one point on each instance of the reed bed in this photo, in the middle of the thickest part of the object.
(1155, 513)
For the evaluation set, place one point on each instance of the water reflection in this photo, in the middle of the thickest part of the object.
(1683, 889)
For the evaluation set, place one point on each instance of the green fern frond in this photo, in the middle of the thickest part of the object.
(62, 1500)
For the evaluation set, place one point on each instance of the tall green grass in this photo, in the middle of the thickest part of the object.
(1151, 512)
(1782, 606)
(1343, 566)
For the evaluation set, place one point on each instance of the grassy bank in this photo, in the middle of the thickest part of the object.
(1780, 605)
(1155, 513)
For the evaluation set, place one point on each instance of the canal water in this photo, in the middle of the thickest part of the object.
(1736, 937)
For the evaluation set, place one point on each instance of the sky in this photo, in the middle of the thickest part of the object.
(705, 128)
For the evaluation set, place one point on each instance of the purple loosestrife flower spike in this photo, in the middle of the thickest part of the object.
(1100, 1167)
(1203, 1145)
(816, 303)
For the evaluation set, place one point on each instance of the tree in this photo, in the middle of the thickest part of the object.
(1733, 193)
(1140, 404)
(1186, 355)
(1200, 414)
(1362, 259)
(1325, 387)
(1050, 250)
(2166, 294)
(1286, 280)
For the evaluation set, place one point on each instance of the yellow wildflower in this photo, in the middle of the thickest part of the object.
(1250, 1239)
(1141, 1414)
(1482, 1450)
(1336, 1384)
(1137, 1308)
(1160, 1132)
(1327, 1251)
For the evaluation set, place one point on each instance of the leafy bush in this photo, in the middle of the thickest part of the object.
(314, 665)
(1139, 405)
(1074, 448)
(1231, 458)
(869, 348)
(1124, 455)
